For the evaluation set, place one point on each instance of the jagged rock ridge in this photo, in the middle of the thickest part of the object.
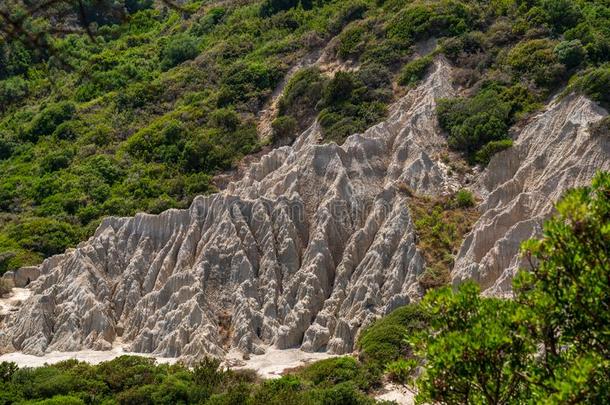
(311, 245)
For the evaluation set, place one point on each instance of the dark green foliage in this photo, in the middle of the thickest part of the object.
(44, 235)
(137, 380)
(474, 338)
(414, 71)
(271, 7)
(351, 41)
(47, 120)
(571, 53)
(349, 106)
(178, 49)
(411, 23)
(464, 199)
(383, 342)
(15, 59)
(484, 155)
(537, 60)
(284, 127)
(474, 122)
(595, 84)
(401, 371)
(12, 90)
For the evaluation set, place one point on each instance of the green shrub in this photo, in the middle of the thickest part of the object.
(351, 42)
(410, 23)
(57, 160)
(61, 400)
(464, 199)
(47, 120)
(12, 90)
(284, 127)
(44, 235)
(7, 369)
(414, 71)
(15, 59)
(301, 95)
(474, 122)
(570, 53)
(270, 7)
(537, 60)
(384, 341)
(206, 23)
(375, 76)
(179, 49)
(401, 371)
(332, 371)
(351, 10)
(69, 130)
(595, 84)
(561, 14)
(484, 155)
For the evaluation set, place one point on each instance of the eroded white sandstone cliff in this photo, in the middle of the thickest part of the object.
(312, 244)
(553, 152)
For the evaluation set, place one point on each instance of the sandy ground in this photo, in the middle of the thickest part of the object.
(398, 393)
(10, 303)
(90, 356)
(274, 362)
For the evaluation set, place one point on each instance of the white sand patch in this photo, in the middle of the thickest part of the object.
(89, 356)
(398, 393)
(269, 365)
(274, 362)
(13, 300)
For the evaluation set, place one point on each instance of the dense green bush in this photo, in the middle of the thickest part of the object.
(12, 90)
(595, 84)
(383, 342)
(464, 199)
(484, 155)
(537, 60)
(414, 71)
(474, 122)
(571, 53)
(47, 120)
(44, 235)
(284, 127)
(178, 49)
(351, 41)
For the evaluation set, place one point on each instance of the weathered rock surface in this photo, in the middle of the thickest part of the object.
(312, 244)
(554, 152)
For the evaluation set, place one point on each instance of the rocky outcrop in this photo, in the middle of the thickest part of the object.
(312, 244)
(555, 151)
(23, 276)
(308, 247)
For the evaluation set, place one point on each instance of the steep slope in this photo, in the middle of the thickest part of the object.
(555, 151)
(312, 244)
(309, 246)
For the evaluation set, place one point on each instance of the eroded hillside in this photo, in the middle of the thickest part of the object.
(313, 243)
